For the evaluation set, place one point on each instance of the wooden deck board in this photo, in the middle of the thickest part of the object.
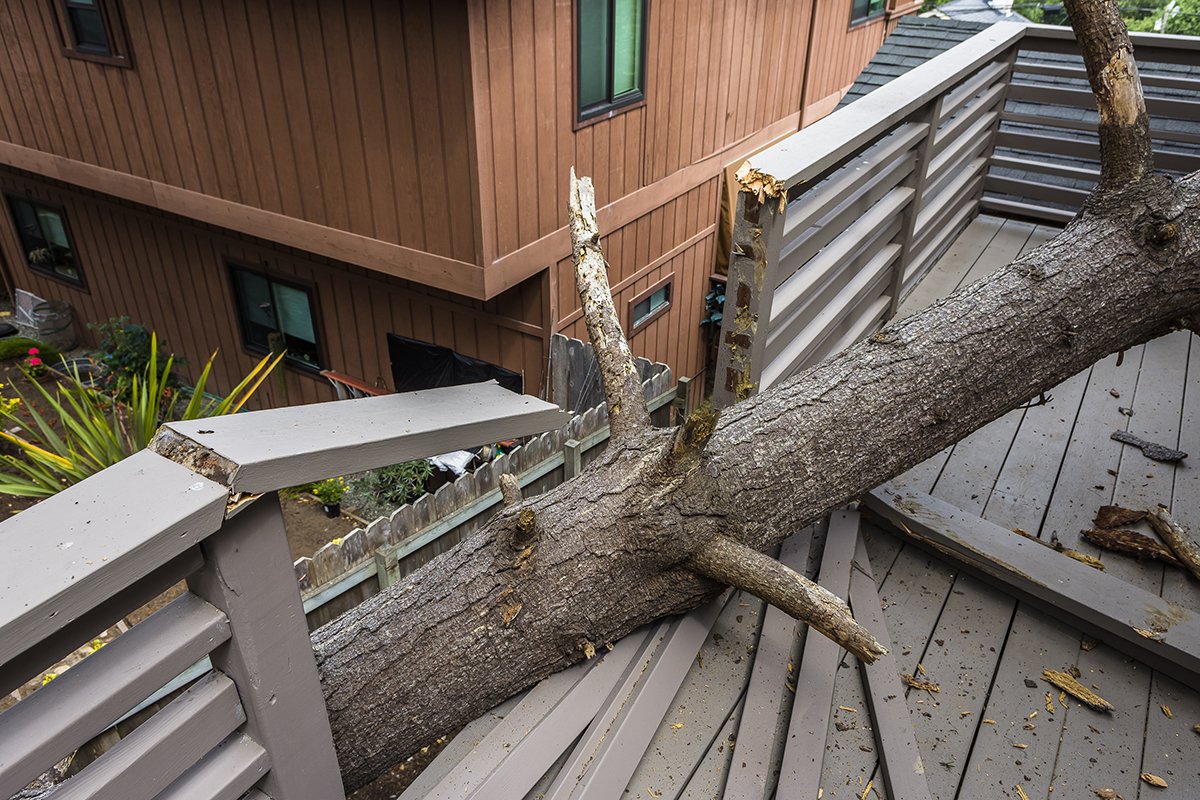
(1046, 470)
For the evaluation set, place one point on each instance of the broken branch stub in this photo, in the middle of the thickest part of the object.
(742, 567)
(618, 373)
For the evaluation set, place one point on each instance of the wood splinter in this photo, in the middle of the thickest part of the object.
(1177, 538)
(737, 565)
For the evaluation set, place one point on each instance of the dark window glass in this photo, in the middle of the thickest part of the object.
(89, 34)
(612, 41)
(267, 307)
(646, 309)
(42, 232)
(862, 9)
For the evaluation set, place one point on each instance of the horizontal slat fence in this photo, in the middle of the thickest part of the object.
(1047, 156)
(249, 715)
(854, 210)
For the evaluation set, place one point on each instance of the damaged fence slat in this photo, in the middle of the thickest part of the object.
(1136, 622)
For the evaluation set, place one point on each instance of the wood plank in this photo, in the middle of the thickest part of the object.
(708, 696)
(1071, 591)
(276, 448)
(59, 568)
(804, 748)
(148, 760)
(47, 726)
(513, 755)
(610, 750)
(902, 767)
(229, 770)
(458, 748)
(947, 274)
(752, 775)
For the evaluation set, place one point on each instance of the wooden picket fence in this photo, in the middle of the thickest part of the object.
(347, 571)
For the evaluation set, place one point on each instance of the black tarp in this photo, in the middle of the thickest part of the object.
(421, 365)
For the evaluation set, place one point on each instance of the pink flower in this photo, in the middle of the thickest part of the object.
(35, 362)
(33, 351)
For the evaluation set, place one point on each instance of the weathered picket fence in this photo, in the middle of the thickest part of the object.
(347, 571)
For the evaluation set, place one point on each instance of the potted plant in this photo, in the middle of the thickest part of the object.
(35, 368)
(329, 492)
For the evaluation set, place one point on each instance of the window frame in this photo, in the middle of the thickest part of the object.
(314, 310)
(609, 109)
(76, 283)
(870, 16)
(113, 18)
(635, 325)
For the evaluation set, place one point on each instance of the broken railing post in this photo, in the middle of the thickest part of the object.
(753, 264)
(572, 458)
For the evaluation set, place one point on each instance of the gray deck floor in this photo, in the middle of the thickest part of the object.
(717, 703)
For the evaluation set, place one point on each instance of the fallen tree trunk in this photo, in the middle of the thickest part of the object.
(554, 578)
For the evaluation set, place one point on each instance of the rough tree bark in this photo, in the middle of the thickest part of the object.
(553, 578)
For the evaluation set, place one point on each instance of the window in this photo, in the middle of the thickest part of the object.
(611, 49)
(861, 10)
(268, 308)
(650, 304)
(42, 232)
(93, 30)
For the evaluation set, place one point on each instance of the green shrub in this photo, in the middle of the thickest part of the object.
(18, 347)
(124, 350)
(395, 485)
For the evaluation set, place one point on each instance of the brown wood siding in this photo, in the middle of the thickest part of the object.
(708, 86)
(170, 274)
(352, 114)
(839, 54)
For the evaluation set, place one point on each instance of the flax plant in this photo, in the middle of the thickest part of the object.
(86, 431)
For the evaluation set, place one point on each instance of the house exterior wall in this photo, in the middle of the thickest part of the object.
(426, 140)
(722, 81)
(171, 274)
(351, 114)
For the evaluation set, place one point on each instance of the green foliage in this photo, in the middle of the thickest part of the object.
(329, 491)
(395, 485)
(18, 347)
(124, 350)
(87, 430)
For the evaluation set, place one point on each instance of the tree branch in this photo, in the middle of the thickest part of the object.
(510, 489)
(1125, 150)
(622, 386)
(1177, 538)
(735, 564)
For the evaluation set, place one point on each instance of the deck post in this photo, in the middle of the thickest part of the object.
(248, 575)
(683, 392)
(932, 114)
(572, 459)
(753, 267)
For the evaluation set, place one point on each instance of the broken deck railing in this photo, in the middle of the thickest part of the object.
(837, 223)
(82, 560)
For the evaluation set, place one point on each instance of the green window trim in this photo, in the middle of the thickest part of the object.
(267, 306)
(45, 239)
(610, 55)
(863, 10)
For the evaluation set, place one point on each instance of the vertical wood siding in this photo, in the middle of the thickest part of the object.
(716, 73)
(171, 275)
(355, 114)
(839, 52)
